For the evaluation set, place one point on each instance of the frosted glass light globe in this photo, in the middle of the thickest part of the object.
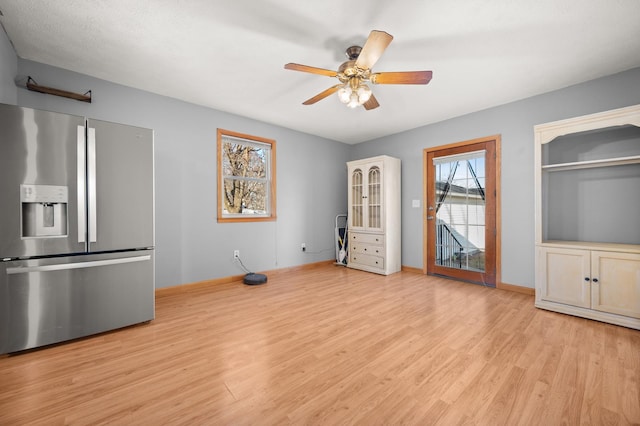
(344, 94)
(364, 93)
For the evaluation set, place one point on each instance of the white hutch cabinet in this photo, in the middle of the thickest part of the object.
(587, 196)
(374, 214)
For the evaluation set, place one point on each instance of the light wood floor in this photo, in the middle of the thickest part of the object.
(335, 346)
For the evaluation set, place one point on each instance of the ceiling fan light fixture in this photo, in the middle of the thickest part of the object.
(354, 96)
(344, 93)
(364, 93)
(356, 71)
(354, 101)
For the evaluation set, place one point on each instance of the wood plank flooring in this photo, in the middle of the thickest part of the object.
(335, 346)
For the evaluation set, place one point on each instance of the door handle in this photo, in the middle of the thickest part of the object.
(81, 178)
(91, 177)
(429, 217)
(76, 265)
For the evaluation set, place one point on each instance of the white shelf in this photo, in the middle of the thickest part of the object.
(607, 162)
(590, 245)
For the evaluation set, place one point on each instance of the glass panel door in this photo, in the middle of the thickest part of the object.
(460, 212)
(356, 198)
(373, 198)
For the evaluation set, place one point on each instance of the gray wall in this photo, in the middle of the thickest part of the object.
(191, 245)
(8, 70)
(514, 122)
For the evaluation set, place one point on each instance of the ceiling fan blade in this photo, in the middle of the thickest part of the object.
(331, 90)
(403, 77)
(373, 49)
(312, 70)
(372, 103)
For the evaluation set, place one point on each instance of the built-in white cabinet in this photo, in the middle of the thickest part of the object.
(564, 276)
(605, 282)
(374, 214)
(587, 219)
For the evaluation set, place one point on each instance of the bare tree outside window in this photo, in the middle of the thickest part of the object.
(246, 178)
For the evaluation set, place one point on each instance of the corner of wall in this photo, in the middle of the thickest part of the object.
(8, 70)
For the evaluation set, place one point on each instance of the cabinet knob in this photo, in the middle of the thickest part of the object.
(587, 279)
(595, 280)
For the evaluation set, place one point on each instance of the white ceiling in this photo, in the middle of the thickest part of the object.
(229, 54)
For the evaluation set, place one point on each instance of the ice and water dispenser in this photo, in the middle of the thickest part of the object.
(44, 210)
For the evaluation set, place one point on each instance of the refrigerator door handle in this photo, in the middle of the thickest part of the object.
(82, 190)
(76, 265)
(91, 181)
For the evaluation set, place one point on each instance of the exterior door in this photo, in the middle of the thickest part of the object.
(461, 228)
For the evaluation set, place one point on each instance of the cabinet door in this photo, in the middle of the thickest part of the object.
(356, 198)
(374, 197)
(616, 283)
(366, 189)
(563, 276)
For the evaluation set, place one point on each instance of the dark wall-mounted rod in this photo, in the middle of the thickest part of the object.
(32, 85)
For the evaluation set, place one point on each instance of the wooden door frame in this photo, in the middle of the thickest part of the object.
(425, 229)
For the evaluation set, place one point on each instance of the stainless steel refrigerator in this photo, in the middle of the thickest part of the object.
(76, 227)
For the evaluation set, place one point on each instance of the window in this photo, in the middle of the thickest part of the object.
(246, 177)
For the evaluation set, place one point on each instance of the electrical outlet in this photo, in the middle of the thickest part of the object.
(303, 247)
(236, 254)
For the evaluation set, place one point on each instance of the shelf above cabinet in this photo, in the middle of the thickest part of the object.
(547, 132)
(588, 245)
(635, 159)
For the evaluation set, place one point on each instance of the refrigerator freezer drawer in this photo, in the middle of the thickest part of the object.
(48, 301)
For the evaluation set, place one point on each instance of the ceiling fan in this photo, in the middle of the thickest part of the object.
(356, 72)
